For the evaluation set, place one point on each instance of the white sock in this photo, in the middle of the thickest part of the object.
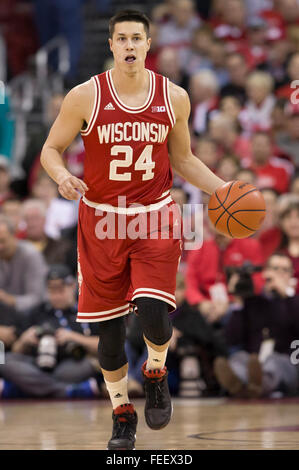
(156, 359)
(118, 392)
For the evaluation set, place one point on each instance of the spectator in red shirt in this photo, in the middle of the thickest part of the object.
(152, 55)
(270, 170)
(223, 130)
(270, 234)
(205, 276)
(233, 25)
(286, 91)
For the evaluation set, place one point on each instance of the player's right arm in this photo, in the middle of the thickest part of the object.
(70, 120)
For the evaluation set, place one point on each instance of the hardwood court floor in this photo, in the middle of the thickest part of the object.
(196, 424)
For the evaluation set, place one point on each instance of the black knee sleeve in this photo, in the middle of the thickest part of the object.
(154, 320)
(112, 336)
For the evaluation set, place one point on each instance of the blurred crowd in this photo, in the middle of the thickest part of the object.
(236, 327)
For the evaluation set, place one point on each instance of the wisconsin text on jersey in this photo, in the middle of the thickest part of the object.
(136, 131)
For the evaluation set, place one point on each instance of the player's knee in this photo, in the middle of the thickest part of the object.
(112, 335)
(154, 319)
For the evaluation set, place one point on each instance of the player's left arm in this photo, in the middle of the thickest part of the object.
(182, 160)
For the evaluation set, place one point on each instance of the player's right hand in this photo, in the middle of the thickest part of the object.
(70, 186)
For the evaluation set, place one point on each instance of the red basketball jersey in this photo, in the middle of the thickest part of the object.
(126, 147)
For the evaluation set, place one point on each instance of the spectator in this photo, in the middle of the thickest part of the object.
(228, 167)
(168, 65)
(224, 131)
(295, 184)
(152, 55)
(275, 63)
(5, 192)
(34, 217)
(196, 344)
(12, 208)
(205, 277)
(231, 107)
(54, 356)
(238, 72)
(206, 151)
(61, 214)
(22, 270)
(255, 49)
(288, 141)
(270, 171)
(217, 57)
(257, 112)
(232, 28)
(178, 29)
(269, 234)
(288, 212)
(204, 89)
(247, 175)
(8, 330)
(271, 318)
(197, 57)
(278, 120)
(286, 90)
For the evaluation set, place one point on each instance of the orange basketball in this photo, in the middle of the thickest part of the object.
(237, 209)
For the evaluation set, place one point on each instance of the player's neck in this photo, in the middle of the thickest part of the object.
(129, 83)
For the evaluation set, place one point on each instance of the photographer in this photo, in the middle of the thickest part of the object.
(53, 351)
(260, 334)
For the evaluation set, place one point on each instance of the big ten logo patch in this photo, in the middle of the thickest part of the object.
(158, 109)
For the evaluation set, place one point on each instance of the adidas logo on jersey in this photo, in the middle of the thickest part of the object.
(109, 107)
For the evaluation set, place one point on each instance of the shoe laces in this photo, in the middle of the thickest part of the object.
(123, 422)
(154, 383)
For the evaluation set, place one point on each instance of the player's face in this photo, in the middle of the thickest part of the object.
(129, 45)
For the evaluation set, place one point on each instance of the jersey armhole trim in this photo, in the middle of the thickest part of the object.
(96, 107)
(169, 107)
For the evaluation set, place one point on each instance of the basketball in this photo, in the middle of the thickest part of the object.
(237, 209)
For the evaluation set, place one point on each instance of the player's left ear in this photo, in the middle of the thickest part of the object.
(149, 41)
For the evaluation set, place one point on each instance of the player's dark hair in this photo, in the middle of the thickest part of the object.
(129, 15)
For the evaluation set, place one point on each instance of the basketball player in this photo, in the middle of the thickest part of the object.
(134, 125)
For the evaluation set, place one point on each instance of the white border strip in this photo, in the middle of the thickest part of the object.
(154, 290)
(152, 296)
(90, 320)
(130, 109)
(127, 210)
(96, 107)
(169, 102)
(104, 312)
(166, 101)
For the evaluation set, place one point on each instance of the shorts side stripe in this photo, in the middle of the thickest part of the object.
(96, 317)
(156, 291)
(155, 296)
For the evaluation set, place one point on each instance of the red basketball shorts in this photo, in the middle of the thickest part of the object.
(113, 271)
